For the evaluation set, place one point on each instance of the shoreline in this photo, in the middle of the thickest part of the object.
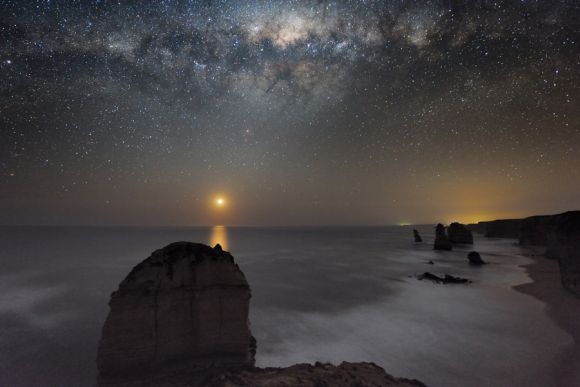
(561, 307)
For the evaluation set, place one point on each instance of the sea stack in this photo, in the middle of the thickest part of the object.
(460, 234)
(441, 240)
(184, 307)
(417, 236)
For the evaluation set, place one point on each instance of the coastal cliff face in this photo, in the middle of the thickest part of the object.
(180, 318)
(561, 235)
(441, 240)
(185, 306)
(506, 228)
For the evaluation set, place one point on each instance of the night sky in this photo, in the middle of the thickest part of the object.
(295, 112)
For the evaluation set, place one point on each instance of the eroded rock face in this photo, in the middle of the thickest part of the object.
(441, 240)
(561, 235)
(186, 306)
(459, 233)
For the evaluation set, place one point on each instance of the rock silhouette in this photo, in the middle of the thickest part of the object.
(186, 306)
(180, 318)
(459, 233)
(561, 236)
(475, 258)
(417, 236)
(446, 279)
(559, 233)
(504, 228)
(441, 240)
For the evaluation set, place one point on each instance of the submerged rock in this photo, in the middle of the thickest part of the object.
(446, 279)
(459, 233)
(441, 240)
(417, 236)
(180, 318)
(186, 306)
(475, 258)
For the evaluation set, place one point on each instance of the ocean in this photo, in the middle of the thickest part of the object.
(326, 294)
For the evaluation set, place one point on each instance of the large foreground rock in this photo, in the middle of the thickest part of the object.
(180, 319)
(459, 233)
(186, 306)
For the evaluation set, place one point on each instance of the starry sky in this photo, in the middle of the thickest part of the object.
(296, 112)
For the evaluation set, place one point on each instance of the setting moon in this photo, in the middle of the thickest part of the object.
(220, 202)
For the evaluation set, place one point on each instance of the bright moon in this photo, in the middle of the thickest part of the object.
(220, 202)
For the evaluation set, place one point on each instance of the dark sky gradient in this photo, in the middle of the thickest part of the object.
(298, 112)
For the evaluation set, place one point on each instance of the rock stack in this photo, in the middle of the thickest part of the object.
(417, 236)
(184, 307)
(441, 240)
(460, 234)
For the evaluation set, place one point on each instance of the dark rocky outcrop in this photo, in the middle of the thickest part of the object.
(180, 318)
(417, 236)
(561, 236)
(475, 258)
(317, 375)
(446, 279)
(186, 306)
(441, 240)
(459, 234)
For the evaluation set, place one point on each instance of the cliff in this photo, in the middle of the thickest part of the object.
(561, 236)
(180, 318)
(505, 228)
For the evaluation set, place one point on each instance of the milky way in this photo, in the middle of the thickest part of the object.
(303, 112)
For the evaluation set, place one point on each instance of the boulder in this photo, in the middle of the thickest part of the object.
(475, 259)
(417, 236)
(459, 234)
(186, 306)
(441, 240)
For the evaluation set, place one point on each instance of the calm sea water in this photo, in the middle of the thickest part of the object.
(319, 294)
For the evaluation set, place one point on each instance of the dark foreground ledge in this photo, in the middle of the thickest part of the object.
(299, 375)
